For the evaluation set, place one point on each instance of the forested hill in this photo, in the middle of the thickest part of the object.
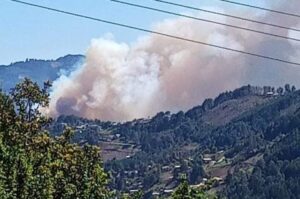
(37, 70)
(242, 144)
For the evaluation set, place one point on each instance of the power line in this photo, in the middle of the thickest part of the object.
(228, 15)
(204, 20)
(262, 8)
(158, 33)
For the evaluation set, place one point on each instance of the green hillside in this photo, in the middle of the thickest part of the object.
(220, 146)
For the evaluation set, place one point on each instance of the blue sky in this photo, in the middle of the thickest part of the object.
(27, 32)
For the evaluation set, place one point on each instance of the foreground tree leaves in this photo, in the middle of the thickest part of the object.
(184, 191)
(35, 165)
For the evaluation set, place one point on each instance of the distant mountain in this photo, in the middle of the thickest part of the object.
(243, 144)
(37, 70)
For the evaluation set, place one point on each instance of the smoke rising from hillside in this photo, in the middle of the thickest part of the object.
(122, 81)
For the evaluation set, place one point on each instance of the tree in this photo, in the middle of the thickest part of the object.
(280, 90)
(135, 195)
(184, 191)
(287, 88)
(35, 165)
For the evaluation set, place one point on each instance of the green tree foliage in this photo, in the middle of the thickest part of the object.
(184, 191)
(276, 176)
(35, 165)
(135, 195)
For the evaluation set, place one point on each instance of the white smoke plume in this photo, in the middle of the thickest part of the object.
(122, 81)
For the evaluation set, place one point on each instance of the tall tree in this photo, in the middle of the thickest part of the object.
(35, 165)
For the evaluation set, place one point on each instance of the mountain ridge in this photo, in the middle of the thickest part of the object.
(37, 69)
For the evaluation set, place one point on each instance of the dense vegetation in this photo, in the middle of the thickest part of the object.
(250, 133)
(277, 175)
(35, 165)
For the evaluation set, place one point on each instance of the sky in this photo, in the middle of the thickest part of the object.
(27, 32)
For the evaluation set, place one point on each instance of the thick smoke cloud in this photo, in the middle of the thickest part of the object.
(120, 82)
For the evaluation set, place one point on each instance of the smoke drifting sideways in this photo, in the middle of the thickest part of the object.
(120, 82)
